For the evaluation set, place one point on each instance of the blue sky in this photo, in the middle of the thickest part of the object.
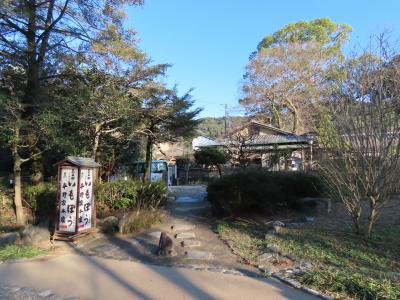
(208, 42)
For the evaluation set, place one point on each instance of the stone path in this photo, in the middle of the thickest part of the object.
(188, 225)
(106, 267)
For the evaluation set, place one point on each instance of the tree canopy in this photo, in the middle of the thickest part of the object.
(322, 31)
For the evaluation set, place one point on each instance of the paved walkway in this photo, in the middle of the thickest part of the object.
(187, 221)
(90, 277)
(127, 267)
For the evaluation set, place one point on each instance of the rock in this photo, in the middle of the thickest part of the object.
(110, 224)
(35, 234)
(216, 269)
(279, 227)
(278, 223)
(183, 227)
(27, 290)
(274, 248)
(311, 291)
(185, 235)
(290, 256)
(264, 257)
(190, 243)
(265, 270)
(45, 293)
(203, 255)
(309, 219)
(10, 238)
(306, 265)
(289, 281)
(166, 246)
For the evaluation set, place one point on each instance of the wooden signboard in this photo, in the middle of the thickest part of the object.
(76, 215)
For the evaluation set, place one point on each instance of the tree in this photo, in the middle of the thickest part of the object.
(292, 69)
(240, 147)
(284, 84)
(360, 133)
(99, 103)
(322, 31)
(164, 116)
(22, 136)
(34, 36)
(211, 157)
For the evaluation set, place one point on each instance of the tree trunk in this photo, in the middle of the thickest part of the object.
(371, 219)
(32, 85)
(294, 129)
(96, 141)
(277, 116)
(18, 192)
(147, 164)
(17, 174)
(219, 170)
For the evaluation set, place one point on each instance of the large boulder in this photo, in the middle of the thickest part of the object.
(10, 238)
(35, 234)
(166, 245)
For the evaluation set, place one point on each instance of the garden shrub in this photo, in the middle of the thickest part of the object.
(41, 198)
(135, 220)
(152, 194)
(128, 194)
(255, 189)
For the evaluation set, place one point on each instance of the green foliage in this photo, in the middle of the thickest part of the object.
(215, 127)
(129, 194)
(135, 221)
(347, 266)
(41, 198)
(323, 31)
(12, 251)
(258, 190)
(344, 265)
(152, 194)
(210, 157)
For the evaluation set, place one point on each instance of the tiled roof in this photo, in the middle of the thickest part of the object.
(81, 162)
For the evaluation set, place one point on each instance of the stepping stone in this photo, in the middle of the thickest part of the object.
(183, 227)
(185, 235)
(155, 234)
(190, 243)
(188, 208)
(203, 255)
(188, 199)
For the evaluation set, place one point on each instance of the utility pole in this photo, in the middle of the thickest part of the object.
(226, 115)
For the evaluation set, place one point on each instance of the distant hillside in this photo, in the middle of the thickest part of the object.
(214, 127)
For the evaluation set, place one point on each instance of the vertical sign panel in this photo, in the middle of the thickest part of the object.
(68, 195)
(85, 199)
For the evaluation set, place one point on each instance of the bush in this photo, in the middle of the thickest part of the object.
(41, 198)
(134, 221)
(116, 194)
(121, 194)
(255, 189)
